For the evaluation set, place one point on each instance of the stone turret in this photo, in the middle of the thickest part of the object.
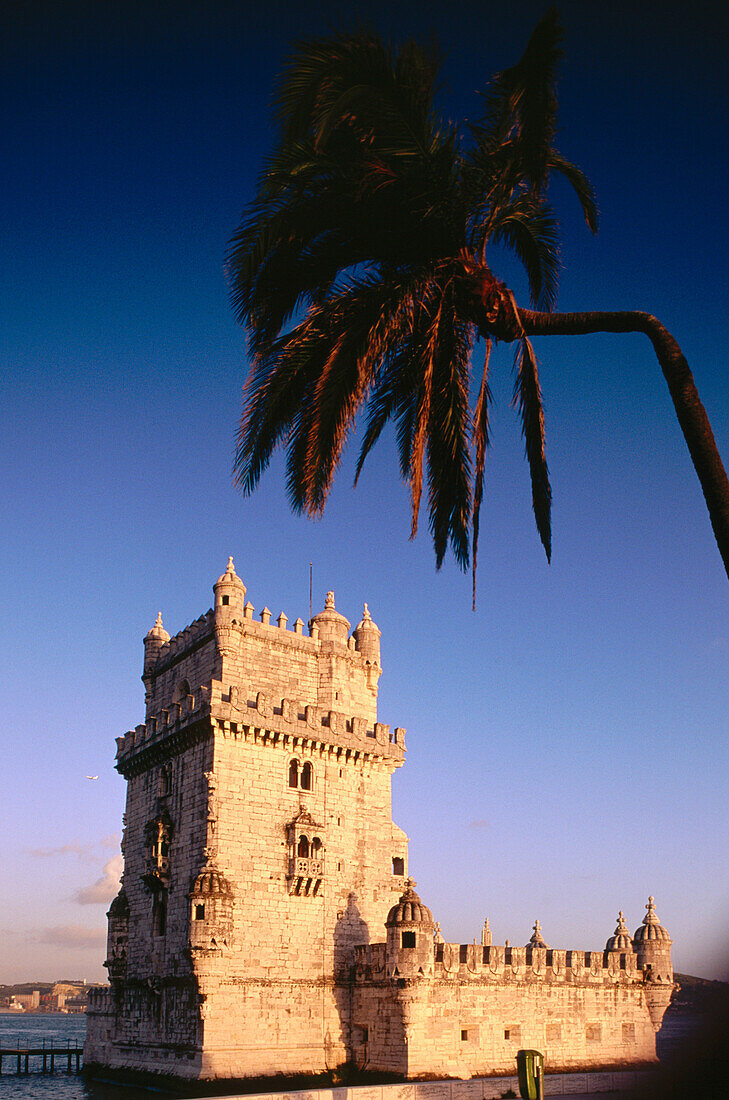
(620, 939)
(153, 642)
(652, 946)
(230, 595)
(211, 911)
(537, 939)
(409, 951)
(117, 938)
(367, 638)
(328, 625)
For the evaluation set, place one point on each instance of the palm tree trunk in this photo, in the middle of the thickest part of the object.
(686, 401)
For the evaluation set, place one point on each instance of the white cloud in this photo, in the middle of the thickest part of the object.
(105, 888)
(71, 935)
(86, 852)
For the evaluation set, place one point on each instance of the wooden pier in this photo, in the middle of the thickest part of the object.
(49, 1058)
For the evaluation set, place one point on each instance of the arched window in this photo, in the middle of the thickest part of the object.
(294, 773)
(307, 773)
(303, 849)
(315, 847)
(181, 691)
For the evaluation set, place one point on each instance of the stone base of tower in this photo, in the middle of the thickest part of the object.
(243, 1029)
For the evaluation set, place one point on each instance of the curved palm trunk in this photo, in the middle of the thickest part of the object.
(686, 401)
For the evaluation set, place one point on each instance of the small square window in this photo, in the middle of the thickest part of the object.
(408, 939)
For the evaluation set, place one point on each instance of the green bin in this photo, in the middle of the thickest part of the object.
(530, 1067)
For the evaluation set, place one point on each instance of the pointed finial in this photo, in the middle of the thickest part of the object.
(158, 620)
(410, 883)
(231, 565)
(437, 933)
(537, 939)
(329, 601)
(366, 613)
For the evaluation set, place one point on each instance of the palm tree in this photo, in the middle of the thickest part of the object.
(360, 274)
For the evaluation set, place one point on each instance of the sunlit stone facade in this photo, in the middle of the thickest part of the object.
(266, 923)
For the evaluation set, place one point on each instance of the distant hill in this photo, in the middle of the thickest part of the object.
(698, 994)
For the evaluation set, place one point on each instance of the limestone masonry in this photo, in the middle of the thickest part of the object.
(266, 923)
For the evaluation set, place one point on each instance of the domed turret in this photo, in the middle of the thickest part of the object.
(230, 594)
(153, 642)
(620, 939)
(331, 626)
(651, 941)
(117, 938)
(409, 937)
(211, 910)
(537, 939)
(229, 589)
(367, 638)
(652, 946)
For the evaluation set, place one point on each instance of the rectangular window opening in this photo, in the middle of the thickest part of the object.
(200, 912)
(408, 939)
(464, 1034)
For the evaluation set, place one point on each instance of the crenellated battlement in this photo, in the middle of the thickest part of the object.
(243, 713)
(184, 641)
(463, 962)
(328, 664)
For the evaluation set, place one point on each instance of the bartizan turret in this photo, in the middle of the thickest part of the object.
(409, 950)
(153, 642)
(117, 939)
(329, 626)
(230, 595)
(367, 638)
(652, 945)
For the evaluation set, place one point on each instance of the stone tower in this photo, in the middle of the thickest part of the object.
(259, 846)
(266, 924)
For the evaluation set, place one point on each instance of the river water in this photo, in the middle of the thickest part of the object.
(31, 1030)
(27, 1029)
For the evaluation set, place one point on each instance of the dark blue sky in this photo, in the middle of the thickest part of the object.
(568, 742)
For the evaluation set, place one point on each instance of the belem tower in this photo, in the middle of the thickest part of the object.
(266, 923)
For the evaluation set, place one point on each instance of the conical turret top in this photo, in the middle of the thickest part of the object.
(367, 637)
(332, 626)
(651, 929)
(537, 940)
(620, 939)
(158, 632)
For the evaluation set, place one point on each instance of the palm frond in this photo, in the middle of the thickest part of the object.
(528, 227)
(528, 400)
(481, 441)
(521, 105)
(580, 184)
(449, 430)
